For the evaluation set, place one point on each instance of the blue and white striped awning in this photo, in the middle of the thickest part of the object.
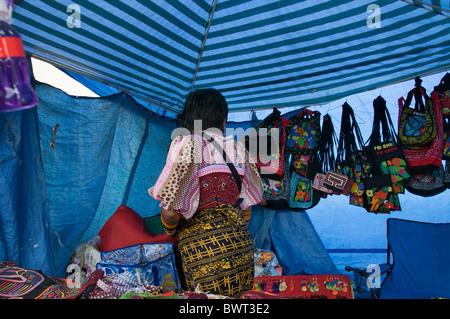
(260, 53)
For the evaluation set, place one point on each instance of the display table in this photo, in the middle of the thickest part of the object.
(306, 286)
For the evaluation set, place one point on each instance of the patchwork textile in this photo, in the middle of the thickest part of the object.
(20, 283)
(217, 251)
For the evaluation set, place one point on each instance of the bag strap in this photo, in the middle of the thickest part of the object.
(270, 119)
(444, 85)
(419, 94)
(232, 168)
(326, 152)
(381, 120)
(350, 137)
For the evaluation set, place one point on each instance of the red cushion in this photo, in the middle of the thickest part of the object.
(127, 228)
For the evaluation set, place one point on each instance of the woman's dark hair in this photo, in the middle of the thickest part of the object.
(207, 105)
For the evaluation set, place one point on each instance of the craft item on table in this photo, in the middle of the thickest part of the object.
(21, 283)
(86, 256)
(266, 263)
(306, 286)
(251, 294)
(150, 263)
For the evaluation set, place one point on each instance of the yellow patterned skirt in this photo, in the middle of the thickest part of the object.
(217, 251)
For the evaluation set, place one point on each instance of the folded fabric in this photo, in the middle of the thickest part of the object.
(126, 228)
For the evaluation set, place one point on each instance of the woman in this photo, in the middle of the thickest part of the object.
(201, 202)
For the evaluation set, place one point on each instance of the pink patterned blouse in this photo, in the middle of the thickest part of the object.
(196, 177)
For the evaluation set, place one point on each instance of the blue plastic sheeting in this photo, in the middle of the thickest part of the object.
(105, 90)
(294, 240)
(24, 213)
(105, 153)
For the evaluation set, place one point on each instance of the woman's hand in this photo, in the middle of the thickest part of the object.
(170, 216)
(263, 202)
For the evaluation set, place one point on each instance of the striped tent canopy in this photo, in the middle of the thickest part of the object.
(260, 53)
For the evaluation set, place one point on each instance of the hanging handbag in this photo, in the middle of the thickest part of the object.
(382, 151)
(427, 184)
(338, 183)
(443, 95)
(270, 138)
(350, 157)
(380, 197)
(441, 98)
(323, 160)
(429, 158)
(446, 139)
(389, 169)
(303, 196)
(447, 174)
(417, 126)
(278, 197)
(303, 133)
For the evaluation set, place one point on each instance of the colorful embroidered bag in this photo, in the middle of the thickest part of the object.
(380, 197)
(417, 126)
(446, 139)
(278, 197)
(152, 264)
(303, 196)
(443, 91)
(427, 184)
(386, 157)
(269, 145)
(338, 183)
(324, 160)
(389, 169)
(303, 133)
(429, 158)
(351, 160)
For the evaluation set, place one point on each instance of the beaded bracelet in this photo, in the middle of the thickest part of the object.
(170, 228)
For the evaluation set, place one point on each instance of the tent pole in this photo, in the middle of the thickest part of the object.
(205, 35)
